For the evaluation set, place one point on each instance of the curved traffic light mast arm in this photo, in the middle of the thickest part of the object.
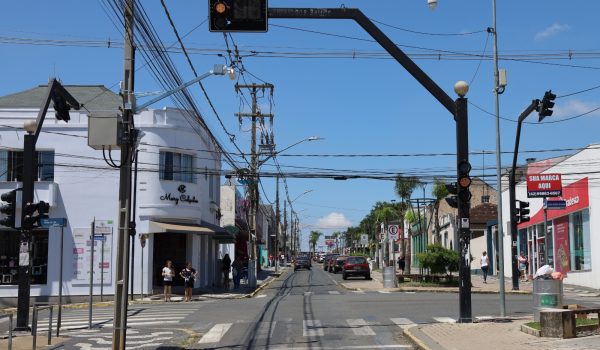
(57, 93)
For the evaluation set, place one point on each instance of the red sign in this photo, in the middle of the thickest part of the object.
(561, 239)
(329, 242)
(544, 185)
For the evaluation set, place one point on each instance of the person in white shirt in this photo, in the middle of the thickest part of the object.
(168, 272)
(484, 261)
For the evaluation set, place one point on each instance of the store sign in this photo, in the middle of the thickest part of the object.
(544, 185)
(181, 197)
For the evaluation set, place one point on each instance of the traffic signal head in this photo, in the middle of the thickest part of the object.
(452, 188)
(30, 217)
(523, 212)
(9, 209)
(464, 181)
(545, 107)
(238, 15)
(61, 107)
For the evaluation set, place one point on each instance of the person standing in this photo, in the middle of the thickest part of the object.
(225, 268)
(401, 264)
(237, 268)
(168, 273)
(484, 262)
(523, 264)
(189, 276)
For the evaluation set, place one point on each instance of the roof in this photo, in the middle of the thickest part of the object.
(93, 97)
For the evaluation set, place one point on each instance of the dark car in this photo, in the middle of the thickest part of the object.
(331, 262)
(339, 263)
(326, 261)
(302, 263)
(356, 266)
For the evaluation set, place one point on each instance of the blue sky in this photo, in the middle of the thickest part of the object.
(348, 92)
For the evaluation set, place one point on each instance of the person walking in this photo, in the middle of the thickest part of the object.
(401, 264)
(523, 264)
(168, 273)
(484, 262)
(189, 276)
(225, 269)
(237, 268)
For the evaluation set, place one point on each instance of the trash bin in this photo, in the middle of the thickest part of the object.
(388, 277)
(547, 294)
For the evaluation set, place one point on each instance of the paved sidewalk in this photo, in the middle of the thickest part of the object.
(491, 335)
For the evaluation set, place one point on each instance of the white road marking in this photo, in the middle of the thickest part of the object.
(444, 319)
(403, 323)
(261, 296)
(384, 291)
(334, 292)
(312, 328)
(215, 334)
(308, 293)
(358, 292)
(360, 327)
(266, 330)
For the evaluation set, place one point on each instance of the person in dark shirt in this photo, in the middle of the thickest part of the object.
(189, 276)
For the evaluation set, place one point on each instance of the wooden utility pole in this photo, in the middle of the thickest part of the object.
(277, 219)
(253, 183)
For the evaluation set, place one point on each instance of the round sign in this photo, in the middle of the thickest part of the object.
(393, 231)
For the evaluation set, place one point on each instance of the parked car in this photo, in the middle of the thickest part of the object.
(326, 261)
(331, 262)
(302, 263)
(356, 266)
(339, 263)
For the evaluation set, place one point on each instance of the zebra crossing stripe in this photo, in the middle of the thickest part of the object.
(308, 293)
(334, 292)
(403, 322)
(358, 292)
(312, 328)
(384, 291)
(265, 330)
(360, 327)
(215, 334)
(444, 319)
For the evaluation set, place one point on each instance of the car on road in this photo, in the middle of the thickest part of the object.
(338, 266)
(328, 261)
(356, 266)
(302, 263)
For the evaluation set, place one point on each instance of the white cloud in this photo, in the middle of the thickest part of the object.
(333, 221)
(573, 108)
(551, 31)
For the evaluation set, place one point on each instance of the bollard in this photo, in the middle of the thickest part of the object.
(50, 326)
(34, 327)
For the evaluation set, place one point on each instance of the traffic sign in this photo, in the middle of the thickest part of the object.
(364, 239)
(393, 231)
(555, 204)
(53, 222)
(104, 227)
(99, 237)
(544, 185)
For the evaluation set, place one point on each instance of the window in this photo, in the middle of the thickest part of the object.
(11, 165)
(177, 167)
(9, 257)
(579, 240)
(485, 199)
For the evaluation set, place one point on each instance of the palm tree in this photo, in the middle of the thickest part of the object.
(313, 239)
(439, 191)
(404, 186)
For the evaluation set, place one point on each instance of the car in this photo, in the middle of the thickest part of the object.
(339, 263)
(356, 266)
(302, 263)
(331, 262)
(326, 261)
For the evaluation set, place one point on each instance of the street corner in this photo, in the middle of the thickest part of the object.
(420, 339)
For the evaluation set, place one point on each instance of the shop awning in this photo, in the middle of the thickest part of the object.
(178, 228)
(221, 234)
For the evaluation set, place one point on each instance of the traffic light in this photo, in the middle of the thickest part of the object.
(61, 107)
(464, 181)
(30, 218)
(545, 107)
(522, 214)
(452, 189)
(238, 15)
(9, 209)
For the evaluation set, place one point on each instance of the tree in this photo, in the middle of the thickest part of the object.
(384, 215)
(404, 186)
(438, 259)
(439, 191)
(314, 238)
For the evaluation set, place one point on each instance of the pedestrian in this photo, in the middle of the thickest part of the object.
(523, 264)
(271, 260)
(484, 262)
(401, 264)
(370, 262)
(225, 269)
(189, 276)
(237, 268)
(168, 273)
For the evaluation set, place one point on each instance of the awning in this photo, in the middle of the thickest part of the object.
(178, 228)
(221, 234)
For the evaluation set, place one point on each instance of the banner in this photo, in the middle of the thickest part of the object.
(561, 239)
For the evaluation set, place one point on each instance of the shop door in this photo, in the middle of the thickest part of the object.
(169, 246)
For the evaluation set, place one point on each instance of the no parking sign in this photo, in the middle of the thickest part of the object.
(393, 231)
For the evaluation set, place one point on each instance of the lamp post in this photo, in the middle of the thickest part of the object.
(295, 223)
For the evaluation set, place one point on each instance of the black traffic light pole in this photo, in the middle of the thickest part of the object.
(512, 200)
(457, 108)
(62, 102)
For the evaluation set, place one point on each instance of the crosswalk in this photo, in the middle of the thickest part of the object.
(355, 328)
(102, 340)
(103, 318)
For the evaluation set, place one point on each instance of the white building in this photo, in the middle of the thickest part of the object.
(568, 245)
(177, 196)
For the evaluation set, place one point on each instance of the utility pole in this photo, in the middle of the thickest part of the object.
(284, 229)
(277, 218)
(122, 263)
(253, 193)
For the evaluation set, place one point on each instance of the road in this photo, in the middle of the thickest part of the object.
(300, 310)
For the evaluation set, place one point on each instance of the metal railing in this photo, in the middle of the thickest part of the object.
(10, 328)
(34, 321)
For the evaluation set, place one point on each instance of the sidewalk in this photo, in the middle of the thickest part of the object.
(491, 335)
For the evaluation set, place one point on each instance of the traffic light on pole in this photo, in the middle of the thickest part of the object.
(452, 189)
(34, 212)
(9, 209)
(238, 15)
(464, 181)
(522, 214)
(545, 107)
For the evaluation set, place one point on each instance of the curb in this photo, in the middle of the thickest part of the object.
(415, 339)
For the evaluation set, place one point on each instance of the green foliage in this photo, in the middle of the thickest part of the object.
(405, 185)
(439, 190)
(314, 238)
(438, 259)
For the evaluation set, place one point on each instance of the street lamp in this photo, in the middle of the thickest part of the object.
(432, 4)
(273, 153)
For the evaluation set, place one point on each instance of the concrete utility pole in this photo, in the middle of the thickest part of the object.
(284, 229)
(254, 88)
(277, 219)
(122, 263)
